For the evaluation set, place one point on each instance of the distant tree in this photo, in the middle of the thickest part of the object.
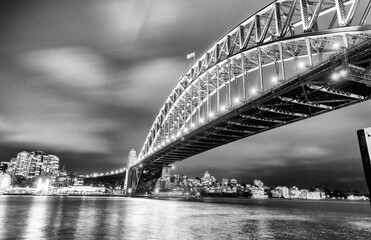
(19, 181)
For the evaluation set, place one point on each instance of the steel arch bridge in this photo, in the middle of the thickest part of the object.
(292, 60)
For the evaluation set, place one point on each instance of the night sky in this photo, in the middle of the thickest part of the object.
(84, 80)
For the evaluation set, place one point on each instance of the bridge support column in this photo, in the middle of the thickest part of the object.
(128, 183)
(364, 139)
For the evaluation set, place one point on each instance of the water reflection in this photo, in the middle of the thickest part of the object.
(133, 218)
(36, 219)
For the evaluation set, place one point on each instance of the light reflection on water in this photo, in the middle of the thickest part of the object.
(36, 219)
(135, 218)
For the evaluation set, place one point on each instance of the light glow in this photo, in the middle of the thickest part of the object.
(254, 91)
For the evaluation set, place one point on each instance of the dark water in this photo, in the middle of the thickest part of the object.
(27, 217)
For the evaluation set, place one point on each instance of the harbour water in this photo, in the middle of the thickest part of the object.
(43, 217)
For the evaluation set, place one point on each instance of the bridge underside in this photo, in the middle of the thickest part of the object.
(342, 80)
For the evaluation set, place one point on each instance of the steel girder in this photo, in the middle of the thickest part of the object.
(282, 41)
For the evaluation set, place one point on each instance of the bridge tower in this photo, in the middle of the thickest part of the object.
(140, 178)
(128, 184)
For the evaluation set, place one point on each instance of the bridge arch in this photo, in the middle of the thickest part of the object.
(288, 45)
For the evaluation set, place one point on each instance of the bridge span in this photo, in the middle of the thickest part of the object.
(292, 60)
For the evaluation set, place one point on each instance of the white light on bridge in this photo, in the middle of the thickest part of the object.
(140, 165)
(192, 125)
(343, 73)
(222, 108)
(337, 75)
(111, 172)
(211, 114)
(301, 64)
(336, 45)
(236, 100)
(274, 79)
(254, 91)
(178, 134)
(185, 129)
(201, 120)
(173, 137)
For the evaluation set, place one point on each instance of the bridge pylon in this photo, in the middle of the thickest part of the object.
(140, 179)
(130, 174)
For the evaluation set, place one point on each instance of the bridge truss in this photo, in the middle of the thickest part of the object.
(292, 60)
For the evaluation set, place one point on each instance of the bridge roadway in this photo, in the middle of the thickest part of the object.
(187, 124)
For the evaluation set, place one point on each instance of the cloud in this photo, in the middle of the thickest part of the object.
(76, 67)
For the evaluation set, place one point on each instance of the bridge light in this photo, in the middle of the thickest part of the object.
(211, 114)
(112, 172)
(140, 165)
(117, 171)
(222, 108)
(129, 190)
(301, 64)
(173, 137)
(167, 140)
(335, 76)
(236, 100)
(343, 72)
(163, 143)
(254, 91)
(192, 125)
(185, 129)
(274, 79)
(178, 134)
(336, 46)
(201, 120)
(101, 174)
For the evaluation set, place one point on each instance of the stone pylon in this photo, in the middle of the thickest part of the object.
(129, 181)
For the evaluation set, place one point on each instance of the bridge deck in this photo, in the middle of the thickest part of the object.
(342, 80)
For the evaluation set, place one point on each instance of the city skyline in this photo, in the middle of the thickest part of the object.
(90, 90)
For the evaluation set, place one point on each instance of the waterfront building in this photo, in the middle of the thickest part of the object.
(206, 180)
(276, 193)
(233, 181)
(36, 163)
(78, 179)
(62, 180)
(225, 181)
(23, 162)
(316, 195)
(284, 190)
(294, 192)
(5, 181)
(258, 183)
(258, 192)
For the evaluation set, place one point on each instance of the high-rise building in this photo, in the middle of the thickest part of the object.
(23, 162)
(233, 181)
(36, 163)
(225, 181)
(206, 180)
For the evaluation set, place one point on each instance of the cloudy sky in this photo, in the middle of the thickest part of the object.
(84, 80)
